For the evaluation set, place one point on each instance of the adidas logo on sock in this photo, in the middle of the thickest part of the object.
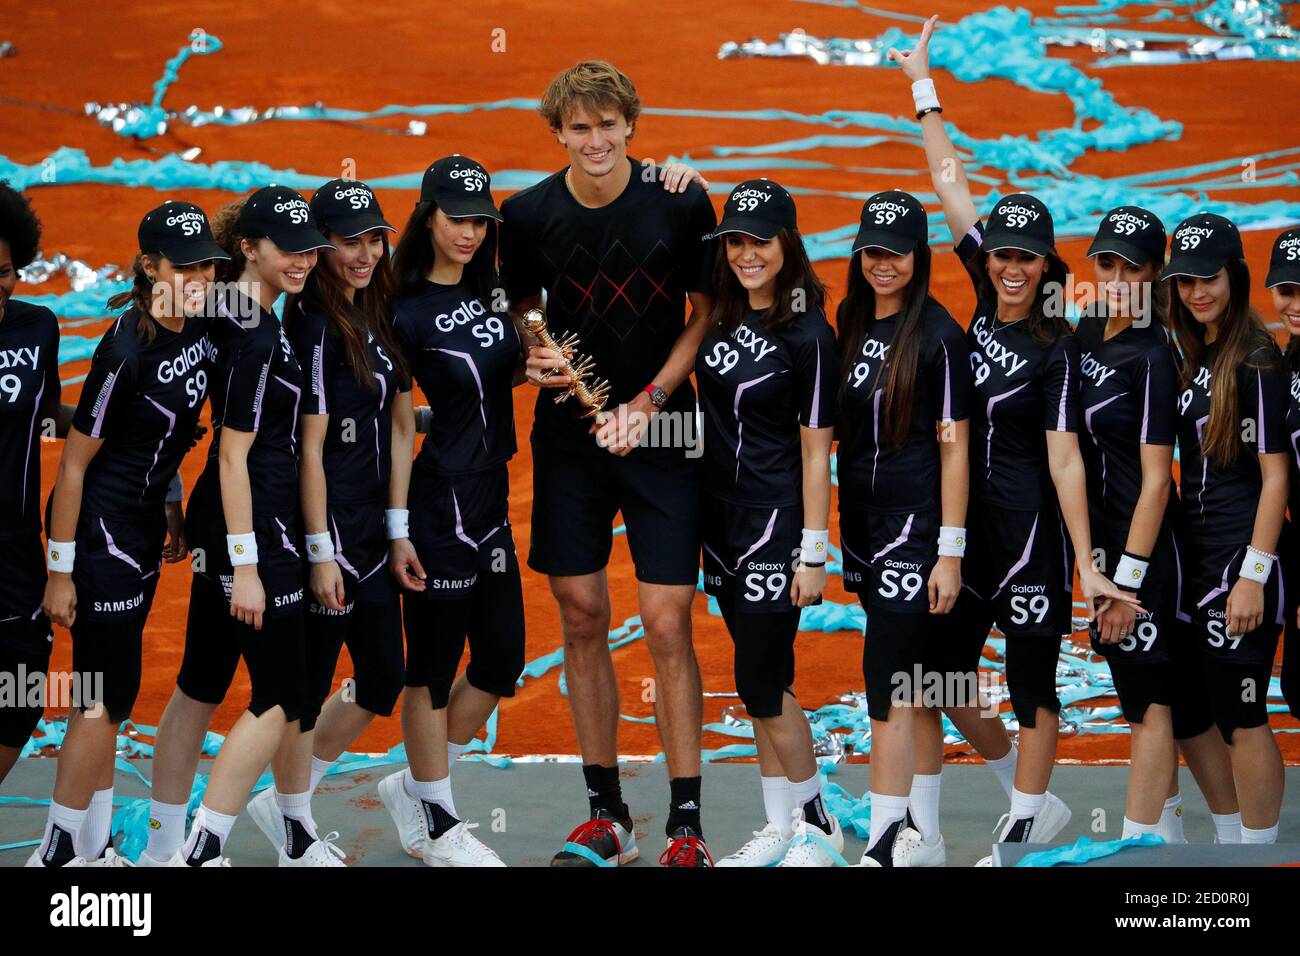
(689, 805)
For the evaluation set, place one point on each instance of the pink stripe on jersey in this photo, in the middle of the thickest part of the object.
(31, 436)
(902, 537)
(813, 421)
(101, 402)
(1259, 381)
(767, 534)
(318, 374)
(947, 385)
(114, 550)
(1146, 406)
(1024, 558)
(1065, 391)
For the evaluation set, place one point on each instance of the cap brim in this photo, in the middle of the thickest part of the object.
(1282, 274)
(351, 226)
(188, 253)
(468, 207)
(993, 241)
(1117, 247)
(300, 240)
(1197, 268)
(877, 238)
(758, 228)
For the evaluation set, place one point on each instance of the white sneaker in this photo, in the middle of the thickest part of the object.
(767, 848)
(322, 852)
(911, 850)
(405, 811)
(1048, 822)
(266, 814)
(458, 847)
(35, 860)
(810, 846)
(179, 860)
(110, 858)
(146, 860)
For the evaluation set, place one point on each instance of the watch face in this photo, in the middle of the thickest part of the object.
(659, 397)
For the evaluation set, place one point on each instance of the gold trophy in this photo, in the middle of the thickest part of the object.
(590, 391)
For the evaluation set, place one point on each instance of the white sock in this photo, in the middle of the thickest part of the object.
(66, 819)
(166, 829)
(454, 751)
(1227, 826)
(297, 806)
(318, 770)
(885, 809)
(1133, 828)
(1267, 835)
(1004, 768)
(778, 804)
(434, 791)
(1171, 820)
(924, 803)
(97, 829)
(804, 792)
(209, 820)
(1025, 805)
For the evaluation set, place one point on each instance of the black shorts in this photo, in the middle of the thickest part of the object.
(764, 656)
(749, 554)
(1162, 597)
(888, 557)
(1238, 694)
(107, 659)
(20, 659)
(118, 560)
(361, 550)
(460, 526)
(577, 491)
(1019, 562)
(1178, 683)
(372, 631)
(918, 658)
(1216, 570)
(22, 581)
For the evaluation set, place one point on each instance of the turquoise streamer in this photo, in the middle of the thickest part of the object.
(1085, 850)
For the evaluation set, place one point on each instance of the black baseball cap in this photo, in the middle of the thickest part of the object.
(348, 208)
(1201, 245)
(1284, 264)
(1019, 221)
(892, 220)
(1133, 233)
(460, 187)
(281, 214)
(757, 207)
(181, 232)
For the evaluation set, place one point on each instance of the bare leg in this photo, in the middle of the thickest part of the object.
(251, 744)
(85, 759)
(468, 709)
(893, 758)
(1258, 771)
(679, 694)
(588, 666)
(1037, 753)
(927, 736)
(790, 740)
(982, 728)
(291, 764)
(425, 732)
(1153, 761)
(340, 723)
(1211, 765)
(177, 747)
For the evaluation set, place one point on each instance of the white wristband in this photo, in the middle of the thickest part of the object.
(1256, 565)
(397, 523)
(175, 489)
(812, 549)
(320, 548)
(952, 542)
(60, 556)
(1130, 572)
(242, 549)
(924, 96)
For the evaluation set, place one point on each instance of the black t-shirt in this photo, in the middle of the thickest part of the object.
(617, 276)
(756, 388)
(1293, 443)
(1128, 398)
(1220, 500)
(257, 387)
(357, 455)
(143, 399)
(464, 356)
(872, 472)
(1024, 388)
(29, 379)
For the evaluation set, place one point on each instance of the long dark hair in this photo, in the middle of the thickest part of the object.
(140, 295)
(413, 257)
(368, 314)
(1241, 335)
(1045, 327)
(855, 318)
(796, 283)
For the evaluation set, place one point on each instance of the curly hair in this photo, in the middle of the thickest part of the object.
(19, 226)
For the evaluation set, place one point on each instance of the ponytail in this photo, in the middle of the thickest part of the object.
(140, 296)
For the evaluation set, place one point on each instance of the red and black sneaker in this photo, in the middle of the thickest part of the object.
(686, 848)
(604, 840)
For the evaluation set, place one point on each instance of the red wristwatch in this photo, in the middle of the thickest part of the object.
(658, 397)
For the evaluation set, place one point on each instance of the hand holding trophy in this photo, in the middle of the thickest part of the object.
(591, 392)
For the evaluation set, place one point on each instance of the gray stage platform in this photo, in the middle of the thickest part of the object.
(525, 812)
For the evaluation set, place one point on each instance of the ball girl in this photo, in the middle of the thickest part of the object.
(767, 374)
(1233, 466)
(452, 548)
(1283, 283)
(108, 521)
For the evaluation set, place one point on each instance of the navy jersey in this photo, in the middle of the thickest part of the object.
(1220, 500)
(29, 380)
(872, 472)
(1129, 398)
(357, 455)
(1293, 439)
(143, 398)
(617, 276)
(463, 356)
(1024, 388)
(257, 387)
(757, 387)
